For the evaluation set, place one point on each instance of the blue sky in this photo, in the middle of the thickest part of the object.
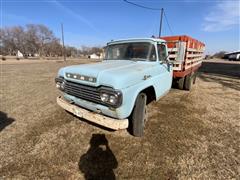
(216, 23)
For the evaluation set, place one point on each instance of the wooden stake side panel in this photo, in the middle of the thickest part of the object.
(184, 51)
(176, 51)
(177, 66)
(192, 64)
(195, 50)
(194, 54)
(186, 60)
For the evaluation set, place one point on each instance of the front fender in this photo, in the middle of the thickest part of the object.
(161, 85)
(130, 98)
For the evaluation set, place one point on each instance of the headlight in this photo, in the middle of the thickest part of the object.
(60, 84)
(104, 97)
(111, 97)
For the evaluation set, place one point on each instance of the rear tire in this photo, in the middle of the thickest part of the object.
(194, 77)
(139, 115)
(188, 82)
(181, 83)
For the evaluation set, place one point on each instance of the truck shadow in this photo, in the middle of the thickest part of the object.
(220, 68)
(5, 120)
(99, 161)
(220, 73)
(226, 82)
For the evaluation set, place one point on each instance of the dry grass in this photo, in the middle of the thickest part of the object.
(189, 135)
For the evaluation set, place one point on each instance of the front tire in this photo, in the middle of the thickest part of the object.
(139, 115)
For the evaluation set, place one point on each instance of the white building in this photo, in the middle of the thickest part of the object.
(94, 56)
(19, 54)
(232, 55)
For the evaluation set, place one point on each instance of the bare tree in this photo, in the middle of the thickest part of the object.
(53, 48)
(32, 39)
(45, 37)
(71, 51)
(37, 39)
(29, 40)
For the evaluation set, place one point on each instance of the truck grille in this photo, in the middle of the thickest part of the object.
(81, 91)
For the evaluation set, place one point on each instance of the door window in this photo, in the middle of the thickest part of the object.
(162, 52)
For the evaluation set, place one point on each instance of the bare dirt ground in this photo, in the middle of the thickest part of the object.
(189, 134)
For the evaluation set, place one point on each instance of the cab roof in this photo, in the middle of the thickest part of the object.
(136, 40)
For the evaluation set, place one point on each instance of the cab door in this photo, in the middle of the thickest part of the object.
(165, 70)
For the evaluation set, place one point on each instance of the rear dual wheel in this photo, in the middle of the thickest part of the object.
(194, 77)
(187, 81)
(181, 83)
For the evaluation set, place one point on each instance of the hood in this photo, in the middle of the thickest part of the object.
(114, 73)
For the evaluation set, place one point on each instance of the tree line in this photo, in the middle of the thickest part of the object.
(37, 40)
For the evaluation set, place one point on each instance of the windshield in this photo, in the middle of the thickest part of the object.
(137, 51)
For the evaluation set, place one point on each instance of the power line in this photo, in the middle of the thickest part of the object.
(150, 8)
(169, 27)
(141, 6)
(155, 9)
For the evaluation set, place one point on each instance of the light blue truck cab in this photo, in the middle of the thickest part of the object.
(114, 93)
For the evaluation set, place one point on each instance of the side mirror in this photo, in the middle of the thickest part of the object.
(166, 60)
(169, 63)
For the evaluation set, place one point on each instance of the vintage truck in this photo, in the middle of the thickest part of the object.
(115, 92)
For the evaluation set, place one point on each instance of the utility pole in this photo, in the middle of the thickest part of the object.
(63, 48)
(161, 19)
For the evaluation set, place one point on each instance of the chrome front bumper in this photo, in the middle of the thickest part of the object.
(100, 119)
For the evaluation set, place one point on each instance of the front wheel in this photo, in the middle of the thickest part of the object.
(139, 115)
